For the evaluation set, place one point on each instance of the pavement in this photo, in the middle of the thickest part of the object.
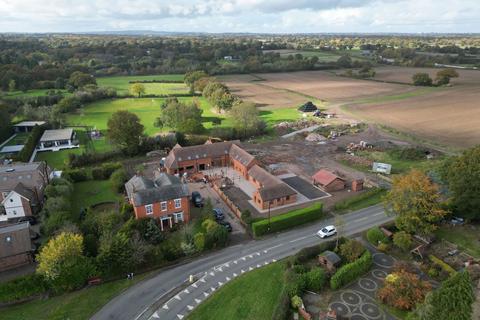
(168, 295)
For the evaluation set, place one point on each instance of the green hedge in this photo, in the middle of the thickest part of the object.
(22, 288)
(351, 271)
(32, 141)
(445, 266)
(288, 220)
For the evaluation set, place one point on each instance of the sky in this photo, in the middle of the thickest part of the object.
(254, 16)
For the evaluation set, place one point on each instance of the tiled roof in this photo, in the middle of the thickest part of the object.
(197, 152)
(15, 239)
(271, 186)
(325, 177)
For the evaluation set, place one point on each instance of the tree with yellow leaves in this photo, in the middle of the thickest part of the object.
(62, 262)
(415, 201)
(137, 89)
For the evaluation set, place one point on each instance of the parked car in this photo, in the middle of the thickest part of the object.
(225, 224)
(326, 232)
(197, 199)
(457, 221)
(218, 213)
(31, 219)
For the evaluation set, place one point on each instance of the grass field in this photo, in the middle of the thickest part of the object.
(147, 109)
(122, 85)
(88, 193)
(78, 305)
(30, 93)
(252, 296)
(466, 237)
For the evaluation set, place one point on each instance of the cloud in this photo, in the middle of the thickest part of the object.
(275, 16)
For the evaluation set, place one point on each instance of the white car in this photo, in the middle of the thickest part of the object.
(326, 232)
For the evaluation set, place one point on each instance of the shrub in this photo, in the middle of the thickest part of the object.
(444, 266)
(295, 283)
(402, 240)
(199, 241)
(118, 179)
(22, 288)
(376, 236)
(309, 253)
(288, 220)
(351, 271)
(383, 247)
(351, 250)
(315, 279)
(76, 175)
(296, 302)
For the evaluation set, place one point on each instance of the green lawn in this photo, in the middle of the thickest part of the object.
(88, 193)
(31, 93)
(148, 109)
(466, 237)
(78, 305)
(20, 138)
(58, 159)
(252, 296)
(122, 85)
(360, 201)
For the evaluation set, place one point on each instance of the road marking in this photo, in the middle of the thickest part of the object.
(202, 280)
(212, 274)
(186, 291)
(220, 269)
(243, 271)
(220, 283)
(361, 219)
(298, 239)
(250, 256)
(190, 307)
(265, 251)
(236, 262)
(266, 262)
(250, 268)
(227, 264)
(180, 316)
(165, 307)
(274, 260)
(212, 288)
(178, 297)
(205, 294)
(227, 278)
(274, 247)
(155, 315)
(257, 253)
(198, 301)
(195, 285)
(258, 266)
(244, 258)
(234, 274)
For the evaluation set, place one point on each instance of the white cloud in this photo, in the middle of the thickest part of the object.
(277, 16)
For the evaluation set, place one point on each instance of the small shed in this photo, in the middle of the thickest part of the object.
(328, 181)
(308, 107)
(357, 185)
(329, 260)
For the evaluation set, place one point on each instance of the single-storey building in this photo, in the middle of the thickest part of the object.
(27, 126)
(57, 139)
(164, 198)
(329, 260)
(328, 181)
(15, 246)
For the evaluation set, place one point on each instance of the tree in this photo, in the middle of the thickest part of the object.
(182, 117)
(462, 175)
(351, 250)
(68, 104)
(79, 79)
(422, 79)
(344, 61)
(5, 124)
(415, 201)
(12, 85)
(443, 76)
(62, 263)
(125, 130)
(118, 179)
(452, 301)
(191, 77)
(137, 89)
(116, 254)
(402, 240)
(246, 119)
(340, 225)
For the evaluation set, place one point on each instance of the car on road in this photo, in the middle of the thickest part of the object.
(226, 225)
(327, 231)
(218, 213)
(197, 199)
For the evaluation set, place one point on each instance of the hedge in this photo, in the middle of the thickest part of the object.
(288, 220)
(445, 267)
(351, 271)
(375, 236)
(32, 141)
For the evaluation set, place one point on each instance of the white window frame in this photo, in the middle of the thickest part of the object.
(178, 203)
(178, 215)
(149, 209)
(164, 206)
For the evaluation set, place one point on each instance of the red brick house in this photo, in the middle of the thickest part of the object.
(328, 181)
(271, 191)
(164, 198)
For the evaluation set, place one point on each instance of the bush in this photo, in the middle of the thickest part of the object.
(76, 175)
(351, 271)
(376, 236)
(296, 302)
(288, 220)
(351, 250)
(444, 266)
(22, 288)
(315, 279)
(295, 283)
(383, 247)
(118, 179)
(105, 171)
(199, 241)
(309, 253)
(402, 240)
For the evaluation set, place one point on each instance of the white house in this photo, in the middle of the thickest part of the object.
(58, 139)
(18, 203)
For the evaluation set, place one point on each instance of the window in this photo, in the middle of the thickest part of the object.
(163, 205)
(178, 203)
(11, 200)
(149, 208)
(288, 198)
(178, 217)
(14, 212)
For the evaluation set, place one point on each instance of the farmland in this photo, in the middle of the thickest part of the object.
(122, 84)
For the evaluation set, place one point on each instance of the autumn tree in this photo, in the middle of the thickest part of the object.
(191, 77)
(125, 130)
(62, 262)
(402, 240)
(351, 250)
(443, 76)
(415, 201)
(462, 175)
(137, 89)
(246, 119)
(403, 290)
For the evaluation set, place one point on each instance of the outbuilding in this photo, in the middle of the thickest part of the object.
(58, 139)
(328, 181)
(27, 126)
(329, 260)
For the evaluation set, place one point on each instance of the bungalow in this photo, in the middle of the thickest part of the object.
(164, 198)
(328, 181)
(27, 126)
(58, 139)
(15, 246)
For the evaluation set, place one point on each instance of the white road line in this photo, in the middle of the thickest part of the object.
(250, 256)
(258, 266)
(205, 294)
(212, 288)
(234, 274)
(220, 283)
(195, 285)
(250, 268)
(165, 307)
(198, 301)
(178, 297)
(212, 274)
(180, 316)
(155, 315)
(257, 253)
(274, 247)
(236, 262)
(298, 239)
(190, 307)
(243, 271)
(186, 291)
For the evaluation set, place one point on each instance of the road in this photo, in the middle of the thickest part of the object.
(141, 301)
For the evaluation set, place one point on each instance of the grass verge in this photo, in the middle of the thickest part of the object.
(363, 200)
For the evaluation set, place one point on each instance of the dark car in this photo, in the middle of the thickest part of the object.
(226, 225)
(197, 199)
(218, 213)
(31, 219)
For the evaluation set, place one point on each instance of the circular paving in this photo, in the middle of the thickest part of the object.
(379, 274)
(340, 308)
(350, 297)
(382, 260)
(370, 310)
(367, 284)
(358, 317)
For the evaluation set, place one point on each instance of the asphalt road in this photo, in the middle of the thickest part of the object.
(215, 269)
